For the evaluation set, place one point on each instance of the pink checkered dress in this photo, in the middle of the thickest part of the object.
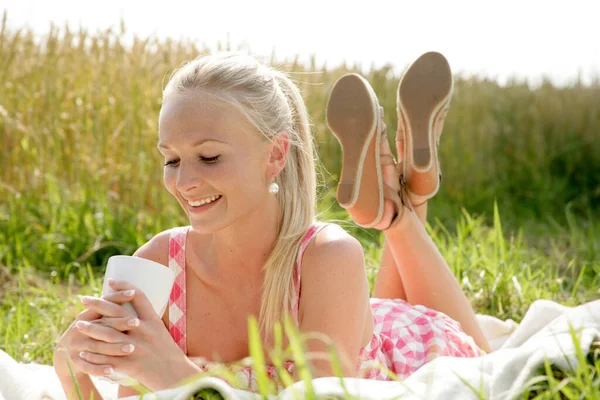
(404, 339)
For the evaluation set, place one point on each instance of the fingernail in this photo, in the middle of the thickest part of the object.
(82, 324)
(111, 281)
(108, 371)
(127, 348)
(85, 299)
(83, 354)
(133, 322)
(129, 292)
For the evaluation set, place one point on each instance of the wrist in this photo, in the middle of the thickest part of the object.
(61, 365)
(181, 371)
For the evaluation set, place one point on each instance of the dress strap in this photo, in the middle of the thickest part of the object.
(177, 299)
(306, 239)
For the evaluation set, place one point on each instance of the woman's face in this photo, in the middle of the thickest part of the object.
(216, 166)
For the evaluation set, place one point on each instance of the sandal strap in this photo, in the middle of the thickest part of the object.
(392, 195)
(403, 194)
(398, 198)
(387, 159)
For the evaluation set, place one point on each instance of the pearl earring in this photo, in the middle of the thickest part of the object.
(273, 188)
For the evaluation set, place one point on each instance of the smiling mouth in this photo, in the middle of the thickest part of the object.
(204, 202)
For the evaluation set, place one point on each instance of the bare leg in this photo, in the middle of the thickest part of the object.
(388, 283)
(426, 278)
(413, 269)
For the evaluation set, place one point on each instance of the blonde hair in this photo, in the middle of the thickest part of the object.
(271, 103)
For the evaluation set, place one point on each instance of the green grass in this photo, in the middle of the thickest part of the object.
(80, 181)
(502, 274)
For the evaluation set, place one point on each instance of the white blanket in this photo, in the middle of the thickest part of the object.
(519, 352)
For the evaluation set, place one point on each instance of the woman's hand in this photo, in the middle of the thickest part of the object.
(155, 360)
(73, 341)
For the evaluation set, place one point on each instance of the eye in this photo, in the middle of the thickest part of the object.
(210, 160)
(207, 160)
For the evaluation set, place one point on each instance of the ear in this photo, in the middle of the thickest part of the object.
(278, 153)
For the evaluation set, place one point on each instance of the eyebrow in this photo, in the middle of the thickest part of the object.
(195, 144)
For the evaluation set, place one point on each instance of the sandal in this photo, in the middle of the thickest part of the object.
(424, 94)
(354, 118)
(369, 171)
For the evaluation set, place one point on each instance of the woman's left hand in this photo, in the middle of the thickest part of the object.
(155, 361)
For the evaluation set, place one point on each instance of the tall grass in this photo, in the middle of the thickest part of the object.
(78, 128)
(78, 113)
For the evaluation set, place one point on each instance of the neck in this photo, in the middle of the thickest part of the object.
(238, 253)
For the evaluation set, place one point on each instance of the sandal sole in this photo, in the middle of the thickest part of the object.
(423, 93)
(353, 117)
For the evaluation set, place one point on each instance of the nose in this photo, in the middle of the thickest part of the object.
(188, 178)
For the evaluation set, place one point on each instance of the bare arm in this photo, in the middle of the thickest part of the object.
(335, 298)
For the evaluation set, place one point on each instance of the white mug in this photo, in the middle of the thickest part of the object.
(153, 279)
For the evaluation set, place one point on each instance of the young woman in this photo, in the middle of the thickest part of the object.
(239, 160)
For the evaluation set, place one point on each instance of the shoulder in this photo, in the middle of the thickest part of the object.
(332, 263)
(332, 243)
(157, 248)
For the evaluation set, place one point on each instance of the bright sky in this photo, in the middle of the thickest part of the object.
(526, 38)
